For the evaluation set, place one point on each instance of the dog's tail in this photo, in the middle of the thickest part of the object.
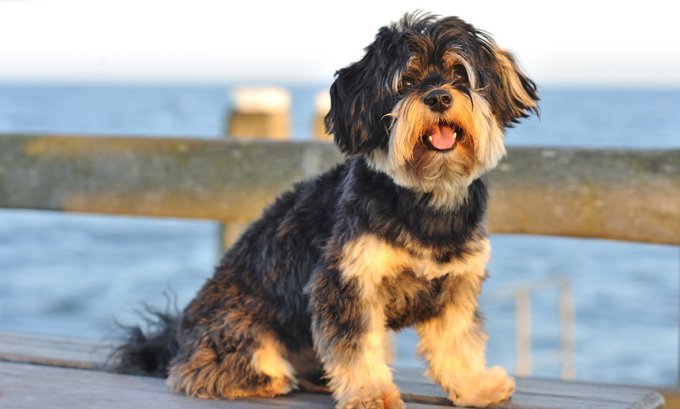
(148, 351)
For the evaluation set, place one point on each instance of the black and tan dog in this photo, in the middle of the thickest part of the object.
(393, 237)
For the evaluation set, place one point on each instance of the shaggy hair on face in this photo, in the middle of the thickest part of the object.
(393, 237)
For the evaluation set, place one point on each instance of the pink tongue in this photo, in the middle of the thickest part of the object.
(442, 137)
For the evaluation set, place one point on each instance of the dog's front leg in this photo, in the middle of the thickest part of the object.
(349, 334)
(453, 344)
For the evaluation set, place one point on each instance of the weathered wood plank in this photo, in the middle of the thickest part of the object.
(614, 194)
(54, 351)
(24, 386)
(34, 387)
(416, 389)
(76, 353)
(540, 393)
(207, 179)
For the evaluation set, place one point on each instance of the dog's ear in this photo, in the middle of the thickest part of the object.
(517, 94)
(360, 98)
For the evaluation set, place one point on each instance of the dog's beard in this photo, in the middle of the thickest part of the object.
(445, 173)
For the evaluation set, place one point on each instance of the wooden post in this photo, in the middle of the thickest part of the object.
(258, 113)
(322, 105)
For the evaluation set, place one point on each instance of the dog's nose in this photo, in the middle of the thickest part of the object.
(438, 100)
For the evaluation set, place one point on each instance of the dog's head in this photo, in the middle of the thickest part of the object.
(428, 103)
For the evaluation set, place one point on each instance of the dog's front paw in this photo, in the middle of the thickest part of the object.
(484, 389)
(372, 399)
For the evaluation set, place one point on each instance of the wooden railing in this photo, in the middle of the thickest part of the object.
(629, 195)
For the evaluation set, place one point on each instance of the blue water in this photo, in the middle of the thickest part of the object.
(71, 275)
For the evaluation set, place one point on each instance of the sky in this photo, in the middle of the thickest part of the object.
(566, 43)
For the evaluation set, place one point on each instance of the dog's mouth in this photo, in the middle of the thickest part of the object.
(442, 137)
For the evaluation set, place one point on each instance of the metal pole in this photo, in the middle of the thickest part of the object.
(566, 312)
(523, 333)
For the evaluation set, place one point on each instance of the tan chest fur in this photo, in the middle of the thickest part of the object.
(370, 259)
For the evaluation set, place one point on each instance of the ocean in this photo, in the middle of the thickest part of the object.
(75, 275)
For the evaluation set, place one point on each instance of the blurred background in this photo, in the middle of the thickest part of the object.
(609, 76)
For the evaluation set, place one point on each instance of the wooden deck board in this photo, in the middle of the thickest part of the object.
(37, 372)
(415, 382)
(26, 386)
(55, 351)
(541, 393)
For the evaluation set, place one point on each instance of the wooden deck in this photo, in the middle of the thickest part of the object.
(55, 373)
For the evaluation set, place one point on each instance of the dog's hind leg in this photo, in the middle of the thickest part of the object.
(229, 367)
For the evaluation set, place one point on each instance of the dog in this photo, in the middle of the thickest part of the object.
(393, 237)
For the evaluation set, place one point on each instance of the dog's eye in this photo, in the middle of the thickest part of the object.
(459, 74)
(405, 83)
